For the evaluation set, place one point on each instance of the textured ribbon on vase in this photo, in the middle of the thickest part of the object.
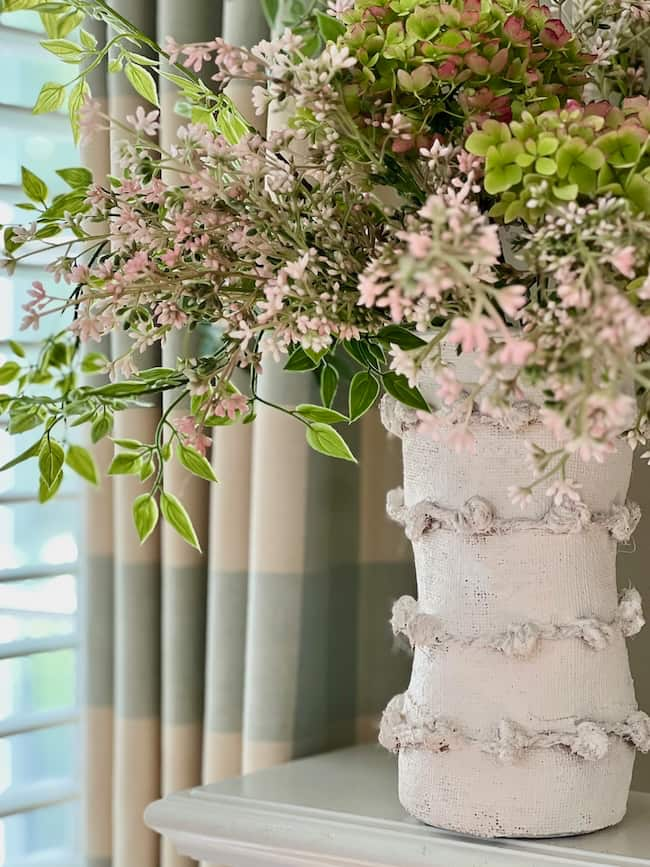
(404, 726)
(519, 640)
(477, 518)
(398, 419)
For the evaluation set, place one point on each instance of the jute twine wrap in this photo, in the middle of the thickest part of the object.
(520, 718)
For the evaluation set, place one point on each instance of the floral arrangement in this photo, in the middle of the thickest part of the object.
(473, 173)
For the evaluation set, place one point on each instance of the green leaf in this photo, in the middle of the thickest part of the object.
(131, 445)
(48, 231)
(375, 351)
(50, 460)
(592, 158)
(101, 427)
(152, 373)
(142, 59)
(585, 178)
(87, 40)
(638, 192)
(147, 470)
(125, 464)
(9, 242)
(270, 9)
(176, 516)
(8, 372)
(299, 361)
(73, 202)
(16, 5)
(94, 362)
(145, 515)
(24, 421)
(330, 28)
(33, 186)
(329, 383)
(50, 22)
(30, 452)
(501, 178)
(398, 386)
(142, 82)
(316, 356)
(401, 337)
(78, 95)
(566, 192)
(545, 166)
(324, 439)
(65, 49)
(128, 388)
(45, 491)
(70, 22)
(50, 98)
(16, 348)
(479, 143)
(311, 412)
(82, 462)
(364, 391)
(357, 350)
(195, 462)
(77, 178)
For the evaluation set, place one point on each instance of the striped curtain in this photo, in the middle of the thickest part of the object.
(272, 644)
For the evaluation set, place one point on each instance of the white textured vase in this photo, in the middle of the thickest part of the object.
(520, 718)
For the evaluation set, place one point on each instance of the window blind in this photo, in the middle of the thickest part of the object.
(39, 647)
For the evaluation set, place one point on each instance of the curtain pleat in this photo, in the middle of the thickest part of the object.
(97, 593)
(274, 641)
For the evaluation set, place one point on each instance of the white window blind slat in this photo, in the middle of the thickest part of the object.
(32, 722)
(30, 646)
(45, 793)
(46, 570)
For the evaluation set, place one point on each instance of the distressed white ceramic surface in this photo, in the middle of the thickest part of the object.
(476, 585)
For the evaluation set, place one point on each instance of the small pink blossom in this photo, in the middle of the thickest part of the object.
(511, 299)
(419, 244)
(80, 274)
(337, 8)
(37, 292)
(173, 49)
(404, 362)
(170, 257)
(93, 326)
(588, 449)
(564, 489)
(191, 434)
(146, 122)
(448, 387)
(431, 425)
(461, 439)
(167, 313)
(195, 56)
(91, 119)
(520, 496)
(516, 352)
(623, 261)
(230, 406)
(471, 335)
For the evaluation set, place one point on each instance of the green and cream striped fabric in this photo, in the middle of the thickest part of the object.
(275, 642)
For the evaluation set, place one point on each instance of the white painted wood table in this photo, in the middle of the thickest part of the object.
(340, 809)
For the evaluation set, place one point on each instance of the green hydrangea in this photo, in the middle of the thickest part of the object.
(576, 153)
(439, 64)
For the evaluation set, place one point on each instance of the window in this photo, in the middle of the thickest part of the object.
(39, 736)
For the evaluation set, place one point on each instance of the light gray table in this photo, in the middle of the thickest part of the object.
(340, 809)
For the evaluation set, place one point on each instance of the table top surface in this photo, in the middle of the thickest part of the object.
(355, 791)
